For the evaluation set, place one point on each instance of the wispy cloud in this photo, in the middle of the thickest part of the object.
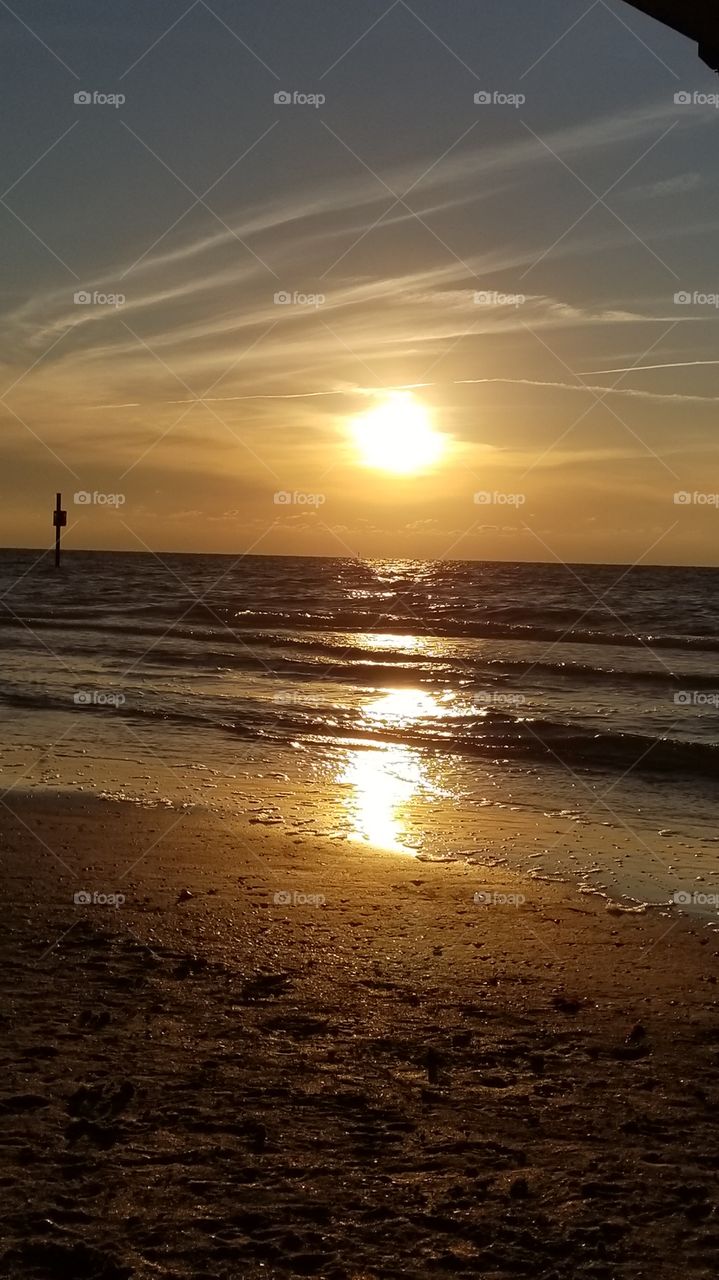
(643, 368)
(376, 390)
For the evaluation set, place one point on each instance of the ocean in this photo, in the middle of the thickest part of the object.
(449, 684)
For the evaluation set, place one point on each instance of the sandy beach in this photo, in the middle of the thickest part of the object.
(286, 1055)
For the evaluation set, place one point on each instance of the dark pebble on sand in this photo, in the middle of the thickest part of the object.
(68, 1261)
(22, 1102)
(698, 1212)
(189, 966)
(565, 1004)
(432, 1064)
(103, 1136)
(636, 1035)
(41, 1051)
(519, 1189)
(94, 1019)
(630, 1052)
(613, 1230)
(309, 1264)
(258, 1138)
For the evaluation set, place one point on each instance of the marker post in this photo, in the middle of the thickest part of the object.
(59, 520)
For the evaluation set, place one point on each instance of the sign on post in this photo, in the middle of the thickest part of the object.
(59, 520)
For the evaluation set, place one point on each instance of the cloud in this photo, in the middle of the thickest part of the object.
(680, 184)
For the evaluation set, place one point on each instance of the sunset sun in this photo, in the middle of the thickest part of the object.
(398, 436)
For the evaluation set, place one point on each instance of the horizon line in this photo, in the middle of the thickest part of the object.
(284, 555)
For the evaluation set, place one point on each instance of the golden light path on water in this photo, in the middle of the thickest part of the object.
(381, 641)
(383, 782)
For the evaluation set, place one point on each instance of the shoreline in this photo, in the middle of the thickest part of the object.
(395, 1081)
(267, 797)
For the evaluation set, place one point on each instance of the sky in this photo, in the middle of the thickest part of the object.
(495, 219)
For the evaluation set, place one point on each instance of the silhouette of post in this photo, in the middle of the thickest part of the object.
(59, 519)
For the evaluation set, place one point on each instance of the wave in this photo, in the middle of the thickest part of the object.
(363, 670)
(495, 736)
(314, 657)
(282, 628)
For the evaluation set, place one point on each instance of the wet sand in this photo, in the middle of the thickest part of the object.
(369, 1075)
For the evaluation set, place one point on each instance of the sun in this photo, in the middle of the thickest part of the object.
(398, 436)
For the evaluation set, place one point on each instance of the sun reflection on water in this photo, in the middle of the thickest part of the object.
(403, 706)
(383, 782)
(380, 640)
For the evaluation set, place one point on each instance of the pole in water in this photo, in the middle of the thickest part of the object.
(59, 520)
